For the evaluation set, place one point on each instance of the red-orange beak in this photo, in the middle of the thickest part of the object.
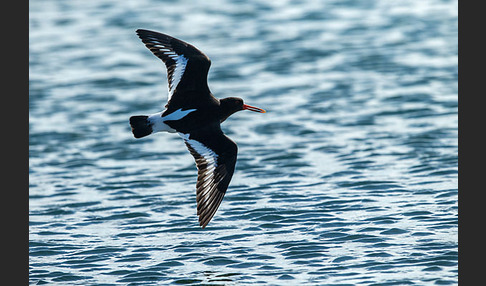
(253, 108)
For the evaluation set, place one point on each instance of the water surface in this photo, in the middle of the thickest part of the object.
(350, 178)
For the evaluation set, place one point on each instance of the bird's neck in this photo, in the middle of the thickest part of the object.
(225, 110)
(224, 114)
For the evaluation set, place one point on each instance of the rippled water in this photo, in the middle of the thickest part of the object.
(349, 179)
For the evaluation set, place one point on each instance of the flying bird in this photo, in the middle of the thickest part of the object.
(196, 115)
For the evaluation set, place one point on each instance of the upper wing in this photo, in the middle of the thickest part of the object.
(187, 67)
(215, 160)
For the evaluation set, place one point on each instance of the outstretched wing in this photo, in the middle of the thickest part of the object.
(187, 67)
(215, 160)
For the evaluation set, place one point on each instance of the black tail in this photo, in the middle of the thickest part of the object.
(140, 126)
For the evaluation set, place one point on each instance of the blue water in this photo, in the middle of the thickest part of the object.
(350, 178)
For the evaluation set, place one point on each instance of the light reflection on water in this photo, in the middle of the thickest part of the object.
(350, 178)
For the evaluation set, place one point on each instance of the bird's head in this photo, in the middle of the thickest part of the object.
(231, 105)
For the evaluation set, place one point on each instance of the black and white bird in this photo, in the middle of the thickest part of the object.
(196, 115)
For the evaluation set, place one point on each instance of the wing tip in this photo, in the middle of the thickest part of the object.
(203, 222)
(141, 31)
(210, 210)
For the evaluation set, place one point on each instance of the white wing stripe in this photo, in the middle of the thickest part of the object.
(180, 67)
(206, 184)
(209, 171)
(208, 177)
(208, 154)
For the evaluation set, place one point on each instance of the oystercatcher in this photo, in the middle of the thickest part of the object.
(195, 114)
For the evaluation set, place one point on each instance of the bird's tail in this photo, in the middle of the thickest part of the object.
(141, 127)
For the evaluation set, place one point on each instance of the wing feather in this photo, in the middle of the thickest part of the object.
(179, 58)
(215, 170)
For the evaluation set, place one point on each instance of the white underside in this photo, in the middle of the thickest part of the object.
(158, 122)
